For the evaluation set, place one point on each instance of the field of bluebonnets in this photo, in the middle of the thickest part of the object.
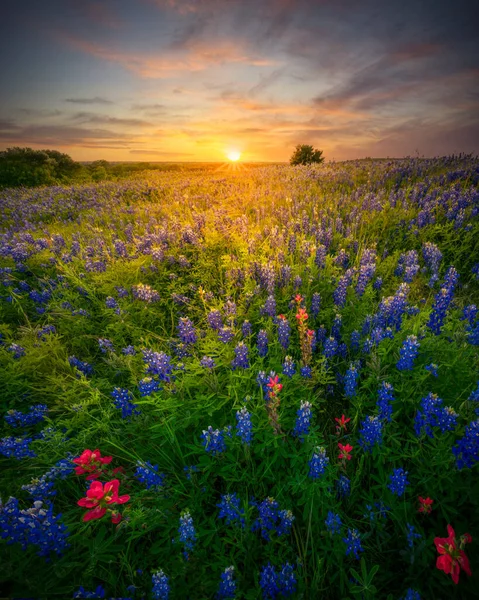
(250, 384)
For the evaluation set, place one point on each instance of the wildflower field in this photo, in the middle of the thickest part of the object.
(260, 383)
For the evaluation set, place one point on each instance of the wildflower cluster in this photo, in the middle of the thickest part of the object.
(35, 415)
(122, 399)
(272, 519)
(230, 510)
(147, 474)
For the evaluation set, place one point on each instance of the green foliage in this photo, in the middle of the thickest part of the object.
(306, 155)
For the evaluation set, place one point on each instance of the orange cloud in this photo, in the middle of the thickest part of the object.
(197, 56)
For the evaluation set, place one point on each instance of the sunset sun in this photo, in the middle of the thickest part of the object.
(234, 156)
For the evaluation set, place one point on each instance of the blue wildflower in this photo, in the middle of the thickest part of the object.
(385, 400)
(161, 587)
(35, 415)
(83, 593)
(262, 343)
(122, 399)
(351, 381)
(343, 486)
(318, 463)
(240, 360)
(303, 421)
(370, 433)
(411, 535)
(148, 386)
(244, 428)
(187, 532)
(466, 450)
(147, 474)
(398, 481)
(353, 543)
(186, 331)
(289, 368)
(227, 587)
(213, 441)
(408, 353)
(225, 335)
(333, 523)
(231, 511)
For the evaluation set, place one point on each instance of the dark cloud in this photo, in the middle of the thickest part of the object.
(58, 135)
(86, 117)
(95, 100)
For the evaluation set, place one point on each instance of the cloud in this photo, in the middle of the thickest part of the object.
(86, 117)
(95, 100)
(162, 153)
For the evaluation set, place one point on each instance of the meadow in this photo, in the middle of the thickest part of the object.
(251, 383)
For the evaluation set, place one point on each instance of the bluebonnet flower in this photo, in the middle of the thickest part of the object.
(341, 259)
(227, 587)
(354, 340)
(262, 343)
(189, 470)
(473, 335)
(343, 486)
(289, 368)
(353, 543)
(240, 360)
(306, 372)
(432, 368)
(225, 335)
(330, 347)
(35, 415)
(466, 450)
(442, 300)
(411, 535)
(43, 487)
(16, 350)
(187, 532)
(272, 519)
(186, 331)
(379, 510)
(106, 345)
(474, 397)
(18, 448)
(158, 363)
(122, 399)
(408, 353)
(284, 331)
(246, 329)
(269, 308)
(351, 381)
(385, 400)
(411, 594)
(336, 328)
(339, 294)
(244, 428)
(81, 366)
(320, 257)
(318, 463)
(145, 293)
(147, 474)
(213, 441)
(303, 421)
(47, 330)
(370, 433)
(315, 304)
(408, 265)
(110, 302)
(469, 314)
(215, 320)
(320, 334)
(121, 291)
(148, 386)
(398, 481)
(391, 310)
(129, 351)
(34, 526)
(333, 523)
(161, 587)
(275, 584)
(83, 593)
(378, 283)
(207, 362)
(432, 413)
(231, 511)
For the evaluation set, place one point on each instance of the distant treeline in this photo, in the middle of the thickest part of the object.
(27, 167)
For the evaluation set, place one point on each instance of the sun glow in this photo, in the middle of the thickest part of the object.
(234, 156)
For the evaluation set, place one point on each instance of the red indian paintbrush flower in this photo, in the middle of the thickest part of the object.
(302, 315)
(425, 505)
(298, 298)
(345, 451)
(452, 559)
(274, 386)
(341, 423)
(90, 462)
(99, 497)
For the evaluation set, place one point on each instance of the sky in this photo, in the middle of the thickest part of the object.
(194, 80)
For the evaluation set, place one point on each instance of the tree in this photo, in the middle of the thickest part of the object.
(306, 155)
